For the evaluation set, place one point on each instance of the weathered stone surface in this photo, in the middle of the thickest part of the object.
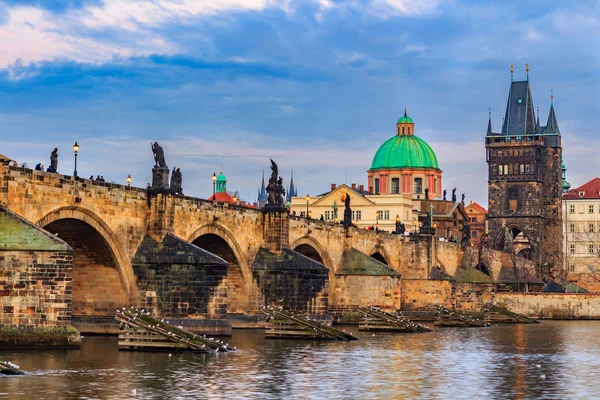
(179, 280)
(552, 305)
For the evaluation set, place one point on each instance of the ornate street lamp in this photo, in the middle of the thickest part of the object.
(377, 220)
(235, 200)
(75, 150)
(214, 179)
(307, 201)
(128, 180)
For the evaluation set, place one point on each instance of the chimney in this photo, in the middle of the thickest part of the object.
(333, 186)
(354, 186)
(361, 188)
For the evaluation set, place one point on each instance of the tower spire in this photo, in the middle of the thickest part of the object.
(489, 130)
(552, 125)
(405, 110)
(538, 128)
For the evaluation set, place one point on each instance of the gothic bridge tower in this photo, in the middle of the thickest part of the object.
(524, 181)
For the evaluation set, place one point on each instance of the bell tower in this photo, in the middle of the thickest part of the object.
(525, 180)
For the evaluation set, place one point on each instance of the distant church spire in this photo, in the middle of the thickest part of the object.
(262, 192)
(292, 191)
(489, 131)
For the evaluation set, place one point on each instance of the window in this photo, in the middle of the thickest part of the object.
(409, 130)
(356, 215)
(384, 214)
(572, 209)
(513, 198)
(572, 228)
(302, 213)
(418, 185)
(591, 228)
(376, 185)
(591, 209)
(527, 168)
(505, 169)
(474, 234)
(572, 248)
(403, 130)
(500, 169)
(395, 185)
(581, 194)
(591, 249)
(328, 215)
(518, 138)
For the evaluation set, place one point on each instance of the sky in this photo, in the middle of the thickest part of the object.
(317, 85)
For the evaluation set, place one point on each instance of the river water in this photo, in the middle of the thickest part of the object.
(551, 360)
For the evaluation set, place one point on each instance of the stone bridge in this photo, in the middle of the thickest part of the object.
(106, 223)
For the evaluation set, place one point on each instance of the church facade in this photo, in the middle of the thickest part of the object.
(525, 182)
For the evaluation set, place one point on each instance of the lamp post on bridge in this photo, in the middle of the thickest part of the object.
(128, 180)
(307, 201)
(214, 179)
(75, 150)
(377, 221)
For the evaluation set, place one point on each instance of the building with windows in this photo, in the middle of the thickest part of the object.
(404, 184)
(476, 217)
(524, 180)
(581, 222)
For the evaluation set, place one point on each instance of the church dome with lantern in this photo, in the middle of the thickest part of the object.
(405, 164)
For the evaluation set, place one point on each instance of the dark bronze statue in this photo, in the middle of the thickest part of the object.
(466, 235)
(426, 221)
(275, 189)
(445, 191)
(426, 193)
(159, 156)
(53, 161)
(400, 228)
(347, 212)
(462, 199)
(176, 180)
(454, 195)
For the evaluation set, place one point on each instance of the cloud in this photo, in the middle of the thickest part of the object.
(287, 109)
(405, 7)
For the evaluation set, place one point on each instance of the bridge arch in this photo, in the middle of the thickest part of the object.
(103, 279)
(521, 241)
(310, 247)
(218, 240)
(381, 255)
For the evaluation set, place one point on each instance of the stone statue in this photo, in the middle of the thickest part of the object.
(275, 188)
(426, 221)
(400, 228)
(454, 195)
(445, 191)
(462, 199)
(426, 193)
(466, 235)
(176, 180)
(53, 161)
(508, 240)
(159, 156)
(335, 208)
(347, 212)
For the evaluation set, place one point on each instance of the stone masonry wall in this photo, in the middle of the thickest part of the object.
(422, 295)
(361, 290)
(35, 287)
(552, 305)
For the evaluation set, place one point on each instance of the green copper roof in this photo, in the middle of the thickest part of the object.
(221, 178)
(404, 152)
(405, 119)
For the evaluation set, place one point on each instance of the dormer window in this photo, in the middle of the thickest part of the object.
(520, 101)
(581, 194)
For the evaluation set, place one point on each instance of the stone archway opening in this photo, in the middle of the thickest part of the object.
(379, 257)
(310, 252)
(237, 293)
(513, 238)
(97, 286)
(483, 268)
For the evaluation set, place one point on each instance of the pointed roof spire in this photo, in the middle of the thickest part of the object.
(552, 125)
(489, 130)
(538, 128)
(405, 110)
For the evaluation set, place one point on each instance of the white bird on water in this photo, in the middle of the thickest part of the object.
(543, 376)
(538, 366)
(133, 391)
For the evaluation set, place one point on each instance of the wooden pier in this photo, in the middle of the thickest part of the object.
(286, 325)
(374, 319)
(139, 331)
(500, 315)
(446, 317)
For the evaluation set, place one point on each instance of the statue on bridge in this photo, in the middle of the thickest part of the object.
(454, 195)
(159, 156)
(426, 193)
(347, 212)
(445, 191)
(462, 199)
(176, 179)
(400, 228)
(275, 189)
(53, 161)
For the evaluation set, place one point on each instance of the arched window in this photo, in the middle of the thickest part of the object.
(409, 130)
(376, 185)
(403, 130)
(395, 185)
(418, 185)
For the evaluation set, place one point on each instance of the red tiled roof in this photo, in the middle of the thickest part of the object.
(477, 207)
(590, 190)
(222, 197)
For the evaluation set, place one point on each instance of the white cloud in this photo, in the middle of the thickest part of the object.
(405, 7)
(287, 109)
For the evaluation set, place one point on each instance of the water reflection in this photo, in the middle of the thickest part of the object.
(552, 360)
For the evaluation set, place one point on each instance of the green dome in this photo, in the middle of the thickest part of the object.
(405, 120)
(221, 178)
(404, 152)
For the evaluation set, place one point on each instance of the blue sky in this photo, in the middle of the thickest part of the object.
(317, 84)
